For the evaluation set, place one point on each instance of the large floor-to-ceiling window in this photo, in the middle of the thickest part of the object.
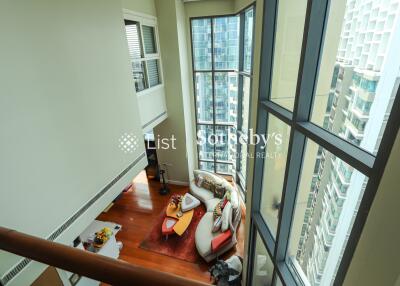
(245, 80)
(329, 102)
(222, 61)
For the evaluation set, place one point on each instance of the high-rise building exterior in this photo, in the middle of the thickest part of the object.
(363, 87)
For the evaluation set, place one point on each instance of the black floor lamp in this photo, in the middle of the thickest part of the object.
(164, 189)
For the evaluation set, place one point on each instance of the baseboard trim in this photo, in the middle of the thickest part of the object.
(154, 119)
(179, 183)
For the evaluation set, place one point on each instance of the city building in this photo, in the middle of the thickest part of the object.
(363, 74)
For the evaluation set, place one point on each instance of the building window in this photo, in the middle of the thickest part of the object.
(305, 204)
(144, 55)
(222, 61)
(245, 83)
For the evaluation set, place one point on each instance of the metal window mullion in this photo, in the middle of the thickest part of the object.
(313, 38)
(285, 275)
(265, 234)
(239, 120)
(216, 124)
(244, 73)
(213, 90)
(222, 70)
(346, 151)
(195, 92)
(306, 82)
(251, 251)
(241, 41)
(278, 111)
(267, 46)
(252, 41)
(240, 92)
(290, 186)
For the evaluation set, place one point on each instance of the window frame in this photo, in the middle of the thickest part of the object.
(372, 166)
(146, 20)
(236, 174)
(241, 177)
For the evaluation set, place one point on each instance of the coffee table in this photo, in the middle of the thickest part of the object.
(182, 222)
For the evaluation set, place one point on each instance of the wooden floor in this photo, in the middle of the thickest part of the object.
(136, 211)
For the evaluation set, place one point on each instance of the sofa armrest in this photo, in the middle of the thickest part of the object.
(220, 240)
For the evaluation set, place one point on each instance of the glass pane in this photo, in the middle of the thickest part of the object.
(201, 41)
(153, 72)
(232, 141)
(327, 202)
(205, 140)
(243, 161)
(359, 74)
(278, 281)
(149, 40)
(204, 97)
(224, 169)
(133, 36)
(222, 143)
(208, 166)
(138, 70)
(278, 135)
(245, 104)
(226, 97)
(288, 42)
(226, 42)
(248, 39)
(263, 267)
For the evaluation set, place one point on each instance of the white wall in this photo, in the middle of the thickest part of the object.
(187, 89)
(174, 91)
(141, 6)
(66, 97)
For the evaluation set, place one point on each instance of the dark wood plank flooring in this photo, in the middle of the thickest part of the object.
(136, 211)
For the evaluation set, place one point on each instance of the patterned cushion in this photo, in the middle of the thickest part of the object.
(217, 211)
(212, 182)
(208, 175)
(199, 180)
(219, 191)
(226, 217)
(219, 207)
(208, 184)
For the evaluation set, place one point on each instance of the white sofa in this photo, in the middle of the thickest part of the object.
(204, 234)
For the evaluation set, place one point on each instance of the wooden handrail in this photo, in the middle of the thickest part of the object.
(98, 267)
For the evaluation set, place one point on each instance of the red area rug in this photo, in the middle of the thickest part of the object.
(181, 247)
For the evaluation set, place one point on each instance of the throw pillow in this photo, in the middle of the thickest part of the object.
(208, 184)
(219, 191)
(219, 207)
(199, 180)
(217, 224)
(226, 216)
(217, 211)
(220, 240)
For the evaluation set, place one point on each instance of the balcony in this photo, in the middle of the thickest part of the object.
(338, 193)
(327, 228)
(357, 133)
(359, 113)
